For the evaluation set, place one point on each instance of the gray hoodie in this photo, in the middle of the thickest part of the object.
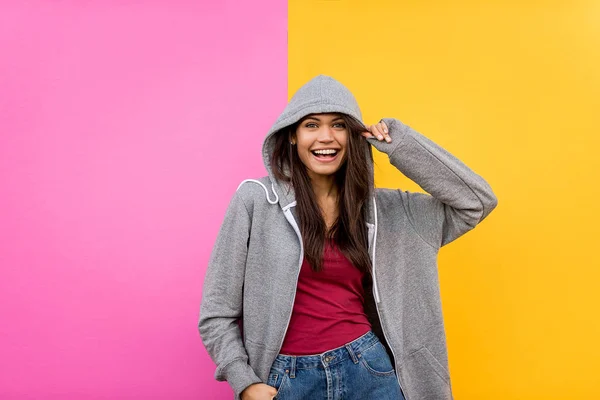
(253, 270)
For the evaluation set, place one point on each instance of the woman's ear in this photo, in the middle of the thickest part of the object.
(292, 139)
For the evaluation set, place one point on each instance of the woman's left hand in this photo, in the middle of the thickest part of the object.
(379, 131)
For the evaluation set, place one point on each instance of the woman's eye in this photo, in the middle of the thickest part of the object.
(340, 125)
(311, 125)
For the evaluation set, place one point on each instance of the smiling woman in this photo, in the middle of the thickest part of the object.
(333, 280)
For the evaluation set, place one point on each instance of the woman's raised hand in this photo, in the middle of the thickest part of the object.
(258, 391)
(379, 131)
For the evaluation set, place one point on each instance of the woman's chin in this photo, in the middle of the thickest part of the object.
(323, 171)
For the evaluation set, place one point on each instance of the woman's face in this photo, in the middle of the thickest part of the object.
(321, 141)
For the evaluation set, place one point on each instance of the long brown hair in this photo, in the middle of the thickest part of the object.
(353, 180)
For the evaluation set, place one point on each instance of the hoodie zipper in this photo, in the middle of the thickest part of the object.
(292, 221)
(378, 299)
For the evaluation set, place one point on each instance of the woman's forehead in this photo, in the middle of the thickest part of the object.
(323, 116)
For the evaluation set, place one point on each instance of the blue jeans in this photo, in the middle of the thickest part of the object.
(359, 370)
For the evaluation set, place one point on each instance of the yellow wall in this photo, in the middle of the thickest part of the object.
(511, 88)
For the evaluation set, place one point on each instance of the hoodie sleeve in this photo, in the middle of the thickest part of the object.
(222, 294)
(458, 198)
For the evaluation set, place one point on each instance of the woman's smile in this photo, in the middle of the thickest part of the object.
(325, 155)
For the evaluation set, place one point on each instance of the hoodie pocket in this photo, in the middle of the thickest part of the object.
(434, 364)
(425, 378)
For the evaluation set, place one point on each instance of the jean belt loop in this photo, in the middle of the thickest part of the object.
(352, 354)
(293, 368)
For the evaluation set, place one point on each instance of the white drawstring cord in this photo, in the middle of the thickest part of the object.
(377, 299)
(264, 187)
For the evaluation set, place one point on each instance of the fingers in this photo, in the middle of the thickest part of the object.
(367, 134)
(379, 131)
(382, 132)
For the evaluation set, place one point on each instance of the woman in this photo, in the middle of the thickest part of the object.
(320, 286)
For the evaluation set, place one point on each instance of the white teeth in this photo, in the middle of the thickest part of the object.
(328, 151)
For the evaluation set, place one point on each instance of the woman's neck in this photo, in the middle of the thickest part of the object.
(324, 188)
(326, 193)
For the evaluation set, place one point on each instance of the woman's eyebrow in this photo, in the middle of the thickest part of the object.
(319, 120)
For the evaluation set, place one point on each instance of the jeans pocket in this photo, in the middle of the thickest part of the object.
(377, 361)
(278, 380)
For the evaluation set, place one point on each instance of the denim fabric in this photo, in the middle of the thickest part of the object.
(360, 370)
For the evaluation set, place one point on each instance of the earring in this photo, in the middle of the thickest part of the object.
(292, 143)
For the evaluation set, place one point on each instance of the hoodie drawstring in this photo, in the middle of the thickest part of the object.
(264, 187)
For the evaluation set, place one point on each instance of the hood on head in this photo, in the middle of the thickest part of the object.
(322, 94)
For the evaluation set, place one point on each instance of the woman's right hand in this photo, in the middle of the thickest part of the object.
(258, 391)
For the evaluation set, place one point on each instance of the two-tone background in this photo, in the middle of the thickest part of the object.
(125, 127)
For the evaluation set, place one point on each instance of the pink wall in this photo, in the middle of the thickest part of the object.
(125, 127)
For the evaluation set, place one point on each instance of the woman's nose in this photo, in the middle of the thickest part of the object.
(326, 135)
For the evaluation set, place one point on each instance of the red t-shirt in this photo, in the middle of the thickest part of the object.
(329, 307)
